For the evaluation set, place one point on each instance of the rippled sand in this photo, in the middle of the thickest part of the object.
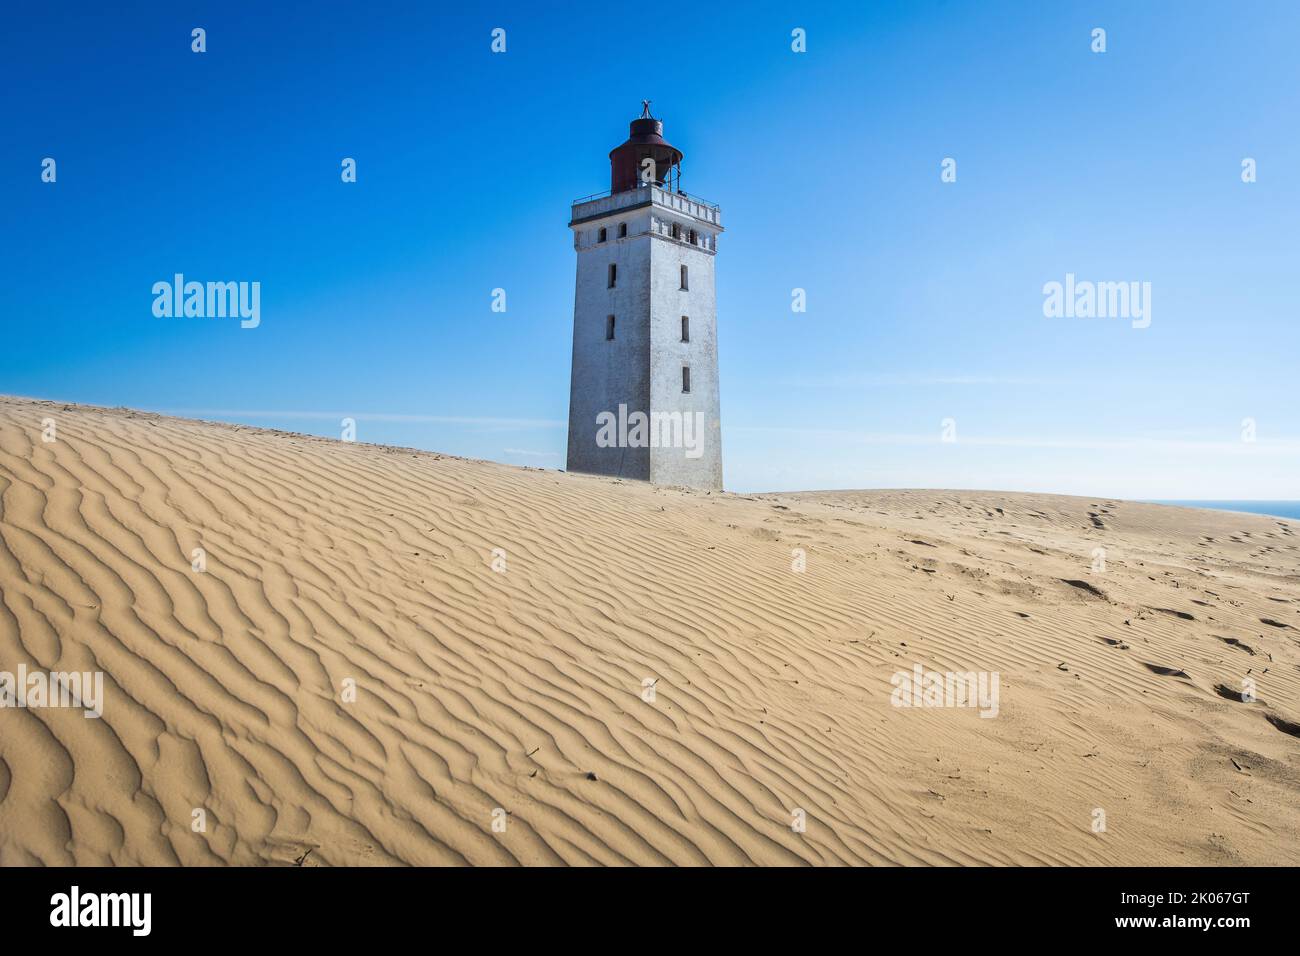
(518, 695)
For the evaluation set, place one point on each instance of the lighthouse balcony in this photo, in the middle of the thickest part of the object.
(609, 203)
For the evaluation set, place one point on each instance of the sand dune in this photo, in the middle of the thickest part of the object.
(521, 688)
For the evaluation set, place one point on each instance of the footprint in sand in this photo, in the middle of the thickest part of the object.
(1236, 643)
(1084, 586)
(1165, 671)
(1178, 614)
(1229, 693)
(1284, 725)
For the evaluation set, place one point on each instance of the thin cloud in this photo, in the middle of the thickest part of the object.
(1278, 445)
(289, 415)
(918, 381)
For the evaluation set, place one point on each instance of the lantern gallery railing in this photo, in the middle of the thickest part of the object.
(601, 204)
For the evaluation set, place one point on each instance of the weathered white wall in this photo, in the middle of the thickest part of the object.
(606, 374)
(642, 366)
(668, 353)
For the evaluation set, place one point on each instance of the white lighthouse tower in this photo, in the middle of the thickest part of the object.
(643, 401)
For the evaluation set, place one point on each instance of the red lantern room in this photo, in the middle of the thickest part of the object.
(646, 141)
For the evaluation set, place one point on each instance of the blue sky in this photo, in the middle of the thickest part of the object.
(925, 298)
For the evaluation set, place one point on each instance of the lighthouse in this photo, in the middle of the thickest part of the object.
(643, 398)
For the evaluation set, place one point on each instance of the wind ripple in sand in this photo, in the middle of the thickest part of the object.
(332, 565)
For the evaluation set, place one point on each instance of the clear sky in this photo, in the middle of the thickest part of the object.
(924, 298)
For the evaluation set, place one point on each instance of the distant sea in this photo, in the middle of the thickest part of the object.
(1280, 509)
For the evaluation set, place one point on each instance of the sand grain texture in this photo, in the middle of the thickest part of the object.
(330, 562)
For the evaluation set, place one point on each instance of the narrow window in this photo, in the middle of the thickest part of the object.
(622, 230)
(686, 329)
(677, 231)
(602, 236)
(609, 328)
(686, 285)
(613, 275)
(686, 378)
(693, 242)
